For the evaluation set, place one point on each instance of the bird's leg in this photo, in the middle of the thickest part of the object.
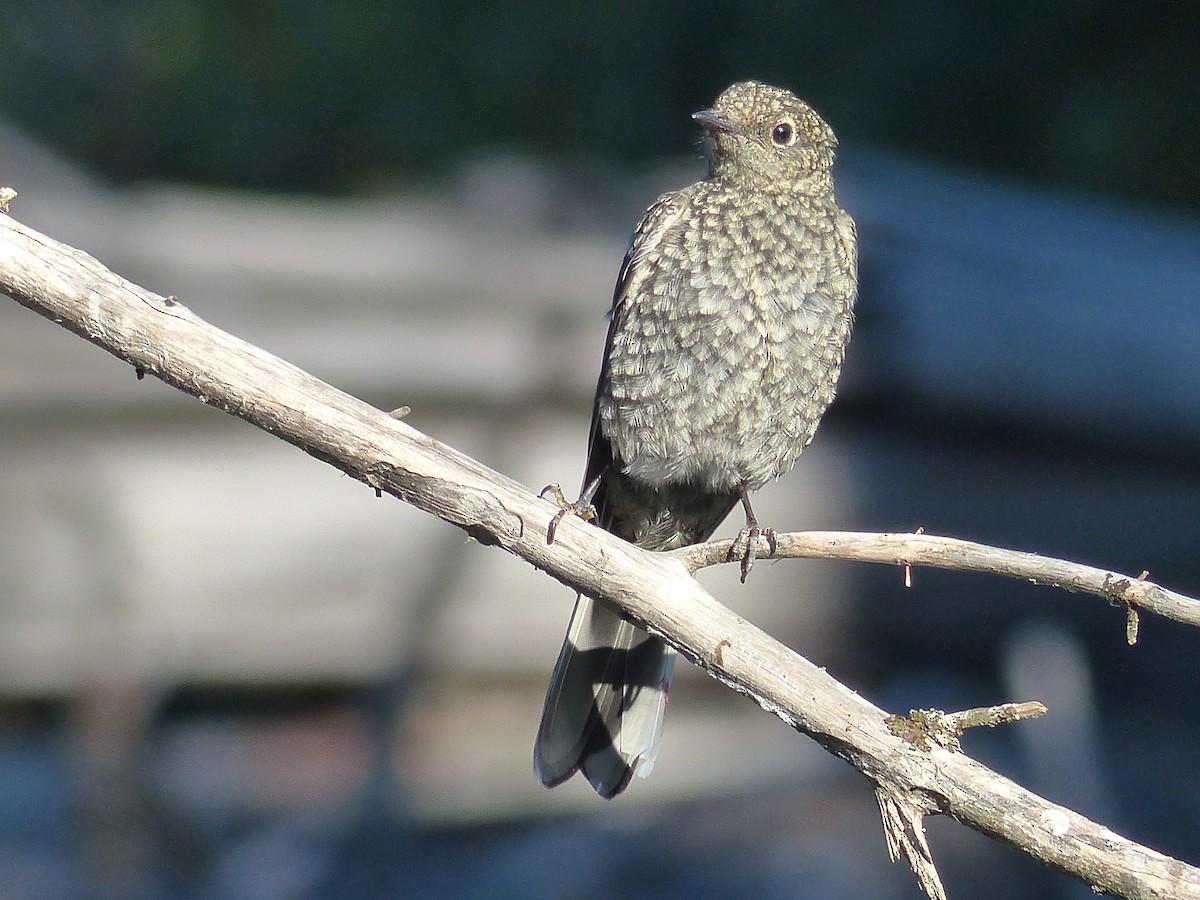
(750, 534)
(582, 507)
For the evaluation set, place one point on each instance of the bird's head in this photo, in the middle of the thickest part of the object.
(767, 138)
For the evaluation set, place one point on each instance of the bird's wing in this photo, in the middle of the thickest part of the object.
(608, 694)
(655, 225)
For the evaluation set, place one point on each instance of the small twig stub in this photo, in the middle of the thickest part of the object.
(924, 727)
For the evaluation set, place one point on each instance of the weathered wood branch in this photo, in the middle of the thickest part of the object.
(1134, 592)
(162, 337)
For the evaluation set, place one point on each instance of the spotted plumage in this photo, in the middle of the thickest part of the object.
(729, 323)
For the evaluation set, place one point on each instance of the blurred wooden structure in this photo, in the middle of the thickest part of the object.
(147, 542)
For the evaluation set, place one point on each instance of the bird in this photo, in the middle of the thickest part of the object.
(728, 327)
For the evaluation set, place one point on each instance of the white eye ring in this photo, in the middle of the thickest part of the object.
(784, 133)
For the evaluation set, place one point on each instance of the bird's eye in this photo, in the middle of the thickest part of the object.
(784, 134)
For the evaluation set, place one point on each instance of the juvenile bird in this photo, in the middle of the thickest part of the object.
(728, 326)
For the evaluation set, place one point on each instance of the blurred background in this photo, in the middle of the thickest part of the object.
(228, 671)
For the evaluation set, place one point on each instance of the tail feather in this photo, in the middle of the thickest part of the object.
(608, 695)
(605, 706)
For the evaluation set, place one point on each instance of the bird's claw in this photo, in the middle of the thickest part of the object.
(750, 535)
(581, 508)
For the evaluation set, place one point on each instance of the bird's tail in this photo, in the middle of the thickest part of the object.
(605, 706)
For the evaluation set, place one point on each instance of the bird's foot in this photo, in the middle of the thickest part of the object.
(581, 508)
(750, 534)
(749, 552)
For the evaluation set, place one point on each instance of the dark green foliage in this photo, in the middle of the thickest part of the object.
(1099, 96)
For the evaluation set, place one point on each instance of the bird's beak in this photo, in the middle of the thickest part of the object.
(714, 122)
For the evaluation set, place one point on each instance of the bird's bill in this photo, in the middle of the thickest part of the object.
(715, 122)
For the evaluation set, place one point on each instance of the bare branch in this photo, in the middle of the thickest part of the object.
(162, 337)
(907, 550)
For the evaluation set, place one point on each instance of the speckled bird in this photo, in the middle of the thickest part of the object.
(729, 323)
